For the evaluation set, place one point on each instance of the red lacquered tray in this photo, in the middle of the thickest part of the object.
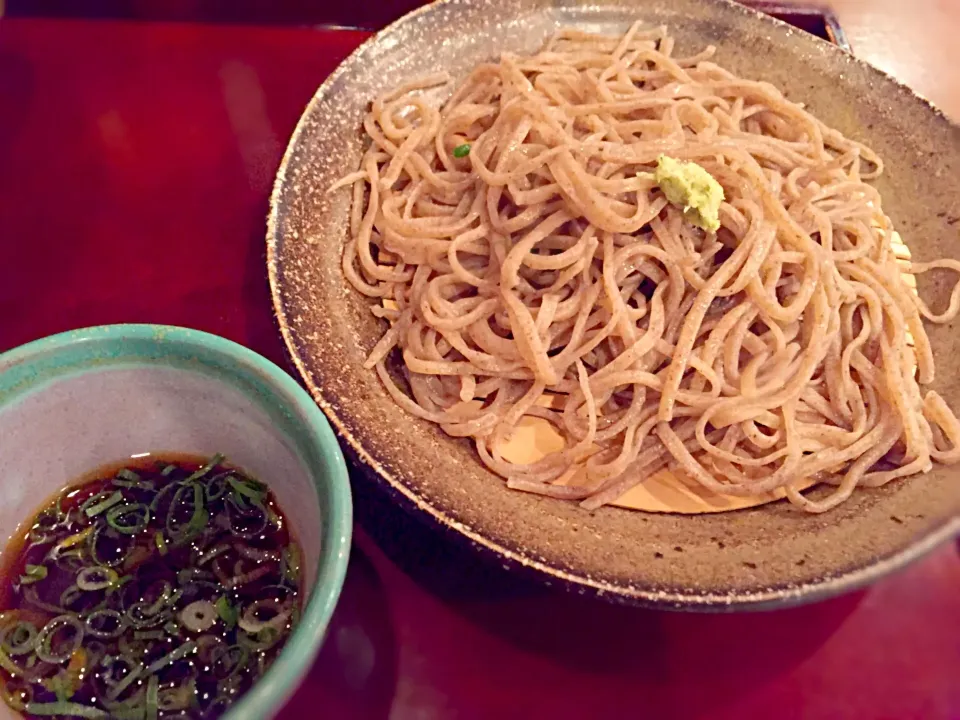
(136, 160)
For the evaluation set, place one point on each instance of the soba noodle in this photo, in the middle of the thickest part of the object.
(529, 266)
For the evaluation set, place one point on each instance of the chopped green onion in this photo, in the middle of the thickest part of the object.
(32, 574)
(161, 542)
(213, 552)
(153, 685)
(10, 666)
(45, 523)
(184, 532)
(226, 611)
(199, 616)
(211, 464)
(144, 614)
(259, 641)
(216, 487)
(60, 686)
(167, 470)
(45, 650)
(253, 575)
(69, 596)
(128, 712)
(178, 698)
(274, 518)
(96, 578)
(71, 541)
(179, 654)
(149, 635)
(109, 562)
(227, 661)
(118, 689)
(19, 639)
(129, 519)
(251, 621)
(245, 490)
(155, 503)
(461, 151)
(70, 709)
(102, 503)
(70, 561)
(98, 623)
(292, 561)
(120, 582)
(129, 479)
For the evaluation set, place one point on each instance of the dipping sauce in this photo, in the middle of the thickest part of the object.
(161, 588)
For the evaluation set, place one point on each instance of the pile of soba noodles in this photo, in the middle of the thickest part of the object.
(528, 265)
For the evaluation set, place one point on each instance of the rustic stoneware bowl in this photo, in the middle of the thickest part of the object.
(73, 402)
(767, 556)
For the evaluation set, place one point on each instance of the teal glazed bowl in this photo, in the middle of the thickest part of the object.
(76, 401)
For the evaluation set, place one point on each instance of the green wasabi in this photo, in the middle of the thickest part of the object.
(690, 187)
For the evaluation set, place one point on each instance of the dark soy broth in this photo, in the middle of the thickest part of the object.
(160, 587)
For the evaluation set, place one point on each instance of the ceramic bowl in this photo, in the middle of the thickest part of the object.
(762, 557)
(73, 402)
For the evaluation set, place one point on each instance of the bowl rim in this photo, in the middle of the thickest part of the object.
(770, 598)
(269, 694)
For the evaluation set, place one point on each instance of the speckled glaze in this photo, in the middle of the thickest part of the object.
(768, 556)
(73, 402)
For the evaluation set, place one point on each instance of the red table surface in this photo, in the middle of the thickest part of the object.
(135, 166)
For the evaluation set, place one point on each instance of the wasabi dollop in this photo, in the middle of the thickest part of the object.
(690, 187)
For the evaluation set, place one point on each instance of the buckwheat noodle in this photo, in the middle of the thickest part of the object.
(544, 274)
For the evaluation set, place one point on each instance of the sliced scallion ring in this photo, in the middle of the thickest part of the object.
(19, 639)
(138, 616)
(69, 596)
(161, 493)
(252, 620)
(129, 519)
(184, 531)
(177, 698)
(107, 561)
(105, 624)
(45, 524)
(215, 487)
(52, 648)
(228, 660)
(96, 578)
(70, 560)
(199, 616)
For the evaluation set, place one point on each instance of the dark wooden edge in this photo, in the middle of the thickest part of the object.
(326, 14)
